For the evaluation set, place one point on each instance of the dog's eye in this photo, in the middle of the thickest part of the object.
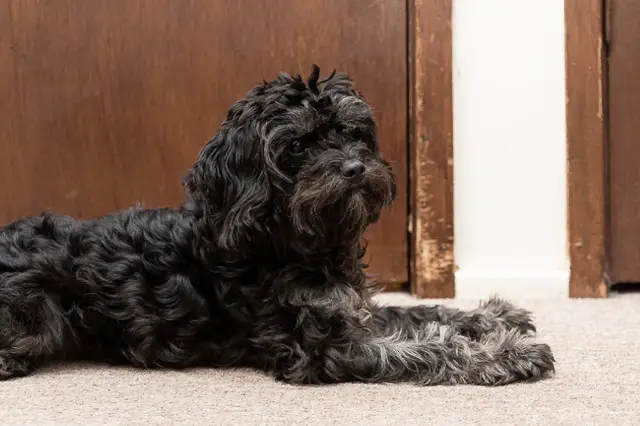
(359, 135)
(363, 136)
(296, 147)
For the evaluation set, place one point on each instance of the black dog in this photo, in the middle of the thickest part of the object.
(260, 267)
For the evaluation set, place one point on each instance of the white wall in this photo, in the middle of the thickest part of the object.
(509, 148)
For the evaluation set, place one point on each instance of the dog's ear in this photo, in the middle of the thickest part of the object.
(230, 183)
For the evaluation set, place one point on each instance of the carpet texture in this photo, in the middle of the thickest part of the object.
(596, 344)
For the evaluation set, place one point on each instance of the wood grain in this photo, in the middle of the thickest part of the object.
(431, 148)
(586, 148)
(624, 148)
(106, 103)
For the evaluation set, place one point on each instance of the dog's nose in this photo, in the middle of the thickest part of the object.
(352, 169)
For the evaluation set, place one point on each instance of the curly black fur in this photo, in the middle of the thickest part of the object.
(261, 266)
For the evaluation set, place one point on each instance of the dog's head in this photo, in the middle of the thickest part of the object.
(294, 157)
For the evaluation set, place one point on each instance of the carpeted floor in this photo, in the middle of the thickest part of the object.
(596, 343)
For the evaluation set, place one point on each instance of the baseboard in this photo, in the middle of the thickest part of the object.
(512, 284)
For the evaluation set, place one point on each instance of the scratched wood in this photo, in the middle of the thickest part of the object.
(586, 148)
(431, 148)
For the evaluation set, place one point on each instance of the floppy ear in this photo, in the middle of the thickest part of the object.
(230, 183)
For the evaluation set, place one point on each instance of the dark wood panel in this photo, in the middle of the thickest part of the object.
(624, 147)
(586, 160)
(431, 142)
(105, 103)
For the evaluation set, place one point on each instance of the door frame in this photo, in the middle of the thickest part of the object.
(587, 177)
(430, 136)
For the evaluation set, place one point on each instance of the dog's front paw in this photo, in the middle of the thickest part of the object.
(497, 314)
(514, 357)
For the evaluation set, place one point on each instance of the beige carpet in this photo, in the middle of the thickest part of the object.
(596, 342)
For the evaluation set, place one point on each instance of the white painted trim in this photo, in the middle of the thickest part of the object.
(509, 148)
(512, 284)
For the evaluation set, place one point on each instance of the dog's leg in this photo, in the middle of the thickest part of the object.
(493, 315)
(437, 354)
(32, 326)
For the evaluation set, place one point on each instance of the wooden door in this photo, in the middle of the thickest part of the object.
(624, 141)
(106, 103)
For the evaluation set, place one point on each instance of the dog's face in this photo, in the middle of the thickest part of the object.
(297, 155)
